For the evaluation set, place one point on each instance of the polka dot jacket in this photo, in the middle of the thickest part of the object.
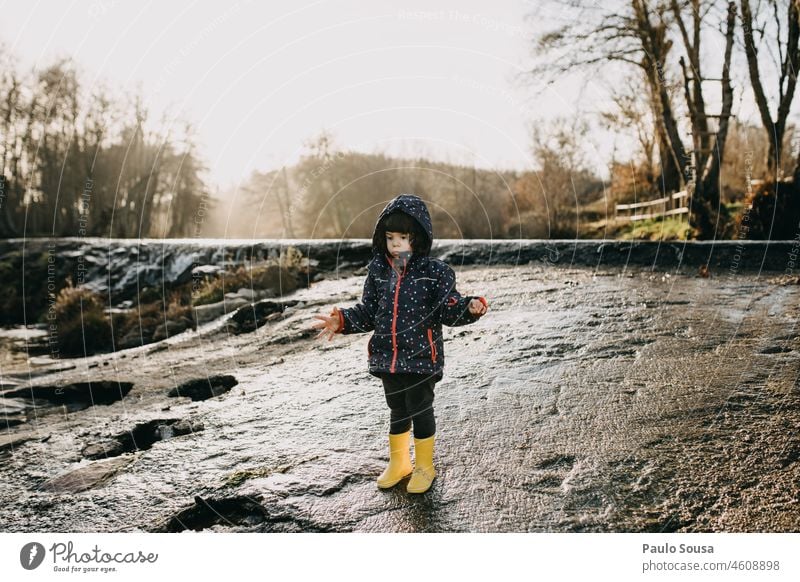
(406, 303)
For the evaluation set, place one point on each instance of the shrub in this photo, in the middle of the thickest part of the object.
(280, 276)
(771, 212)
(82, 327)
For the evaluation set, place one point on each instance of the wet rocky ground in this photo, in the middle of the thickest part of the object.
(620, 399)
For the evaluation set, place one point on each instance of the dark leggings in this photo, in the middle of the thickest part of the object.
(410, 397)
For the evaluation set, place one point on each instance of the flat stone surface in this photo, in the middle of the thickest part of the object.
(85, 477)
(587, 399)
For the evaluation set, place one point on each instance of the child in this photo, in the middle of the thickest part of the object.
(407, 297)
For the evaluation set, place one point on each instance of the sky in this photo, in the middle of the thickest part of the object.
(259, 79)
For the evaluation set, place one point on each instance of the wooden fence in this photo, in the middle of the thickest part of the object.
(672, 204)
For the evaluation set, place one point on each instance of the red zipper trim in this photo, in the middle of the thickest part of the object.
(433, 345)
(394, 317)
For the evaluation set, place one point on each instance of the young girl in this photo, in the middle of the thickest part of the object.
(407, 297)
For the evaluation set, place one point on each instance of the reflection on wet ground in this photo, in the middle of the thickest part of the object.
(584, 401)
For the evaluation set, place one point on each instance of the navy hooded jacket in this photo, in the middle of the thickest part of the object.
(407, 304)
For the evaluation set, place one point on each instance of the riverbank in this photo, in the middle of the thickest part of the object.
(587, 399)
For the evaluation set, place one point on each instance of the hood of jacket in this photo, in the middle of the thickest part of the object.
(414, 207)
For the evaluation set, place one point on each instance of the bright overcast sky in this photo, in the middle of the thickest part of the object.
(258, 79)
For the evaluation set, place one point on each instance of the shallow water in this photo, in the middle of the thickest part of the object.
(620, 400)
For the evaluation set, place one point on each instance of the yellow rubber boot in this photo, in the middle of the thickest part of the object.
(399, 460)
(424, 473)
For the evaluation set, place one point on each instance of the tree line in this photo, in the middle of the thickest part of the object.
(682, 52)
(77, 161)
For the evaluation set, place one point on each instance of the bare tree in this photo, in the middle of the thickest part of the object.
(320, 187)
(562, 182)
(787, 59)
(76, 164)
(11, 90)
(638, 33)
(629, 33)
(269, 193)
(708, 145)
(746, 158)
(631, 112)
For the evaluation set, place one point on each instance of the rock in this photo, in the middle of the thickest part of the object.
(76, 396)
(132, 339)
(207, 270)
(234, 301)
(52, 365)
(9, 441)
(247, 293)
(102, 450)
(184, 427)
(566, 416)
(169, 329)
(207, 512)
(209, 312)
(85, 477)
(141, 437)
(13, 411)
(204, 388)
(252, 317)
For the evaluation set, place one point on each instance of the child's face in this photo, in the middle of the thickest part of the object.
(398, 242)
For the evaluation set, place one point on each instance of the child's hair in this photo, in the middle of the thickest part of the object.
(399, 221)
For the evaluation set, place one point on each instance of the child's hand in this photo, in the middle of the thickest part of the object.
(329, 325)
(477, 307)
